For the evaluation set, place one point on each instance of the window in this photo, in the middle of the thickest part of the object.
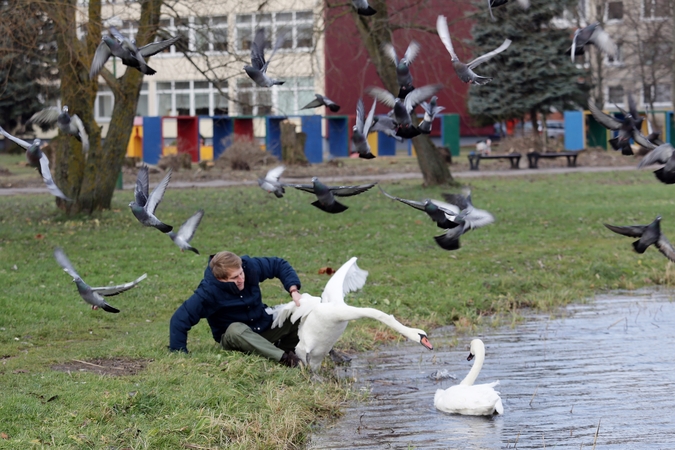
(105, 101)
(142, 107)
(294, 94)
(210, 34)
(615, 10)
(286, 99)
(190, 98)
(618, 61)
(253, 100)
(655, 9)
(297, 29)
(176, 26)
(659, 93)
(615, 95)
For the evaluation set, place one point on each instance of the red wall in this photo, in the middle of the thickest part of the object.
(349, 70)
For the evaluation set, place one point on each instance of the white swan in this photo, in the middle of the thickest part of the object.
(467, 398)
(325, 318)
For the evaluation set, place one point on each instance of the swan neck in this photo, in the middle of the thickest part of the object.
(475, 369)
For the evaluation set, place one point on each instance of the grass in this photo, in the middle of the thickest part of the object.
(547, 248)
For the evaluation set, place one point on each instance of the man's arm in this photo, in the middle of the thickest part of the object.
(185, 317)
(273, 267)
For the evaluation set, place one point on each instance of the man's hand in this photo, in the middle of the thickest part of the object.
(296, 296)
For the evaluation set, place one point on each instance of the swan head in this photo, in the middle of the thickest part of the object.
(477, 348)
(424, 340)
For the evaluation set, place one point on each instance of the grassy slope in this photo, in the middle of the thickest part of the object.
(548, 247)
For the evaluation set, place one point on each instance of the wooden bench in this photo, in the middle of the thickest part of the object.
(474, 159)
(534, 157)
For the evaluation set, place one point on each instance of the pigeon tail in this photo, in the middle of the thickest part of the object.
(481, 80)
(640, 248)
(447, 244)
(110, 309)
(369, 11)
(335, 208)
(192, 249)
(278, 83)
(334, 107)
(278, 194)
(664, 176)
(366, 155)
(164, 228)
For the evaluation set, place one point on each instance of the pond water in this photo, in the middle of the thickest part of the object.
(606, 367)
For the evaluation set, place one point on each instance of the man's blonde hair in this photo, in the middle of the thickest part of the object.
(223, 264)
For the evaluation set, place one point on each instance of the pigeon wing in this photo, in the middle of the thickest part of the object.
(665, 247)
(100, 57)
(360, 116)
(277, 46)
(605, 120)
(303, 187)
(187, 230)
(660, 154)
(458, 200)
(390, 52)
(155, 47)
(603, 42)
(142, 186)
(318, 101)
(477, 218)
(275, 173)
(49, 181)
(258, 49)
(444, 34)
(82, 132)
(413, 203)
(65, 263)
(18, 141)
(630, 231)
(348, 191)
(369, 120)
(412, 52)
(641, 139)
(109, 291)
(116, 34)
(158, 193)
(420, 94)
(382, 95)
(46, 117)
(489, 55)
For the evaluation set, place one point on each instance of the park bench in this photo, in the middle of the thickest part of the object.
(534, 157)
(474, 159)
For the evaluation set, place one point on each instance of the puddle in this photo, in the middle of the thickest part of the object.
(610, 362)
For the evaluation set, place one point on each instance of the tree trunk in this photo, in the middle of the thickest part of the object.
(292, 144)
(374, 32)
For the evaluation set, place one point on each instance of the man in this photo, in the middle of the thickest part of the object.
(229, 298)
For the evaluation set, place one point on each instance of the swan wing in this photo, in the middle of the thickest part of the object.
(289, 311)
(348, 278)
(476, 400)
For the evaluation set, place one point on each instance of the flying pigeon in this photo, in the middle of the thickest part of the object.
(663, 154)
(326, 194)
(468, 216)
(115, 44)
(387, 125)
(464, 71)
(632, 109)
(363, 8)
(257, 71)
(271, 181)
(625, 127)
(67, 124)
(653, 135)
(187, 231)
(320, 100)
(361, 130)
(593, 34)
(402, 108)
(495, 3)
(38, 160)
(403, 76)
(430, 111)
(94, 295)
(143, 207)
(648, 235)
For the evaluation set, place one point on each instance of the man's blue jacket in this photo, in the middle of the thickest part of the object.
(222, 303)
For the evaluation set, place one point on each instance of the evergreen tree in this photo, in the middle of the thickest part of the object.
(28, 71)
(535, 73)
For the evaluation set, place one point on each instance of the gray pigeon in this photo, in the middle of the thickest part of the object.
(187, 231)
(67, 124)
(464, 71)
(593, 34)
(663, 154)
(430, 111)
(445, 215)
(111, 46)
(93, 295)
(403, 108)
(468, 216)
(271, 181)
(361, 130)
(403, 76)
(40, 161)
(326, 194)
(648, 235)
(257, 71)
(321, 100)
(625, 127)
(495, 3)
(143, 207)
(386, 125)
(363, 8)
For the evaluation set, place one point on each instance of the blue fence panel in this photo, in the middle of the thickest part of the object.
(311, 126)
(152, 139)
(574, 130)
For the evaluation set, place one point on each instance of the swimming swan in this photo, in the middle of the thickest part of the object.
(467, 398)
(324, 319)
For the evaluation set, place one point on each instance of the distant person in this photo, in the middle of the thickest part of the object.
(229, 298)
(483, 147)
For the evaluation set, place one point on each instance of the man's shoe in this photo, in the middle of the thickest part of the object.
(290, 359)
